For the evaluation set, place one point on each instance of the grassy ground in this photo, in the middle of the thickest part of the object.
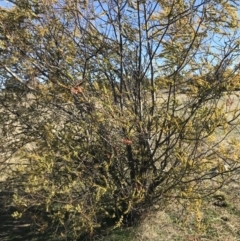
(220, 221)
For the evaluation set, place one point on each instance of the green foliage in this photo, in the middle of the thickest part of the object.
(100, 129)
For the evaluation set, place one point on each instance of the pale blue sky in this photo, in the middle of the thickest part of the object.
(4, 3)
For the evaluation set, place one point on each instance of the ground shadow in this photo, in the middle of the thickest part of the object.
(12, 229)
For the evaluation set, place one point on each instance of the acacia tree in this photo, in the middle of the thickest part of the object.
(94, 112)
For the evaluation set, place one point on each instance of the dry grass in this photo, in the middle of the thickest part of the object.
(220, 221)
